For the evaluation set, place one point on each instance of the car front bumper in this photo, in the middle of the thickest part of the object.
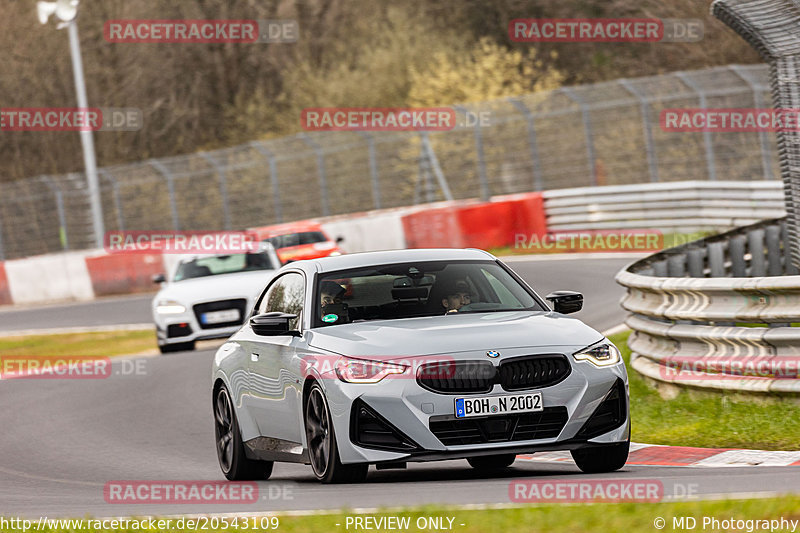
(409, 409)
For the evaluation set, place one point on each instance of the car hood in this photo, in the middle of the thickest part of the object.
(223, 286)
(454, 333)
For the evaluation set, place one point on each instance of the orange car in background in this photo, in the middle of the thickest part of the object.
(299, 240)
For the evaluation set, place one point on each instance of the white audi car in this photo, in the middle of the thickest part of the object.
(208, 296)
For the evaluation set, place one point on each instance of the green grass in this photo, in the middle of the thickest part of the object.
(100, 344)
(550, 518)
(709, 419)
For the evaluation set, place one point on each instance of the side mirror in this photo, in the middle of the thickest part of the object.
(339, 239)
(159, 278)
(273, 324)
(566, 302)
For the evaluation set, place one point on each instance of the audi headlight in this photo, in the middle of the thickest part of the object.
(601, 354)
(364, 371)
(170, 307)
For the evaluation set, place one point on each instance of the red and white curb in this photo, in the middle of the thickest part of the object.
(658, 455)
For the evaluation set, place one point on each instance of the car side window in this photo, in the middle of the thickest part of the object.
(286, 295)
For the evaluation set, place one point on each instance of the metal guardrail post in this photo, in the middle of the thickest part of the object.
(647, 127)
(223, 188)
(538, 181)
(63, 234)
(434, 163)
(158, 165)
(115, 195)
(273, 177)
(373, 169)
(766, 162)
(482, 178)
(323, 181)
(707, 140)
(587, 128)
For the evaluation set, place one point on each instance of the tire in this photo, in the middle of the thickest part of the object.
(602, 459)
(230, 450)
(176, 347)
(323, 453)
(492, 462)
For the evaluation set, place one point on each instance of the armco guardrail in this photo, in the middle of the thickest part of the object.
(678, 206)
(718, 313)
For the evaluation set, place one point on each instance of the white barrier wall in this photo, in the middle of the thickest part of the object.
(370, 232)
(50, 278)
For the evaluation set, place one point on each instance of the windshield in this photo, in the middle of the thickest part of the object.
(224, 264)
(297, 239)
(418, 289)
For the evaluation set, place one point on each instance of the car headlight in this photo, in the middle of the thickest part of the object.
(602, 354)
(170, 307)
(364, 371)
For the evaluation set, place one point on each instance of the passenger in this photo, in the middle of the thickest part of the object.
(331, 293)
(457, 296)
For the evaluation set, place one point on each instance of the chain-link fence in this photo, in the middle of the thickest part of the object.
(602, 134)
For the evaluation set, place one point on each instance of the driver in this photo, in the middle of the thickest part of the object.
(457, 295)
(331, 293)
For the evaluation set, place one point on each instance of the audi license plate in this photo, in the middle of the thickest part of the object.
(498, 405)
(218, 317)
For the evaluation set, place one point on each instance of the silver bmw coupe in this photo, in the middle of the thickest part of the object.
(414, 355)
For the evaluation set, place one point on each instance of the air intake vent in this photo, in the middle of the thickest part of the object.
(370, 430)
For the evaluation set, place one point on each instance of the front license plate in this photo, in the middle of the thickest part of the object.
(498, 405)
(217, 317)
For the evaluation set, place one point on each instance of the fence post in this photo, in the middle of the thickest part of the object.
(587, 128)
(223, 188)
(538, 182)
(158, 165)
(434, 163)
(482, 178)
(115, 193)
(323, 181)
(273, 177)
(63, 236)
(373, 169)
(707, 140)
(647, 126)
(766, 162)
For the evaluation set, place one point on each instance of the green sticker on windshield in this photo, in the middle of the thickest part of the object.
(330, 318)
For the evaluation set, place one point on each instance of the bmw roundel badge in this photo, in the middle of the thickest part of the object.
(493, 354)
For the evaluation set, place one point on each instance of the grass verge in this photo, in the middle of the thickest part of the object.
(709, 419)
(551, 518)
(99, 344)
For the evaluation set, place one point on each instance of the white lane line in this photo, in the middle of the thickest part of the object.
(77, 329)
(446, 507)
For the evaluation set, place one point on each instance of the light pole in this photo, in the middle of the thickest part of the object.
(67, 11)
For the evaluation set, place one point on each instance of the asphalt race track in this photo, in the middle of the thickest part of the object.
(63, 440)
